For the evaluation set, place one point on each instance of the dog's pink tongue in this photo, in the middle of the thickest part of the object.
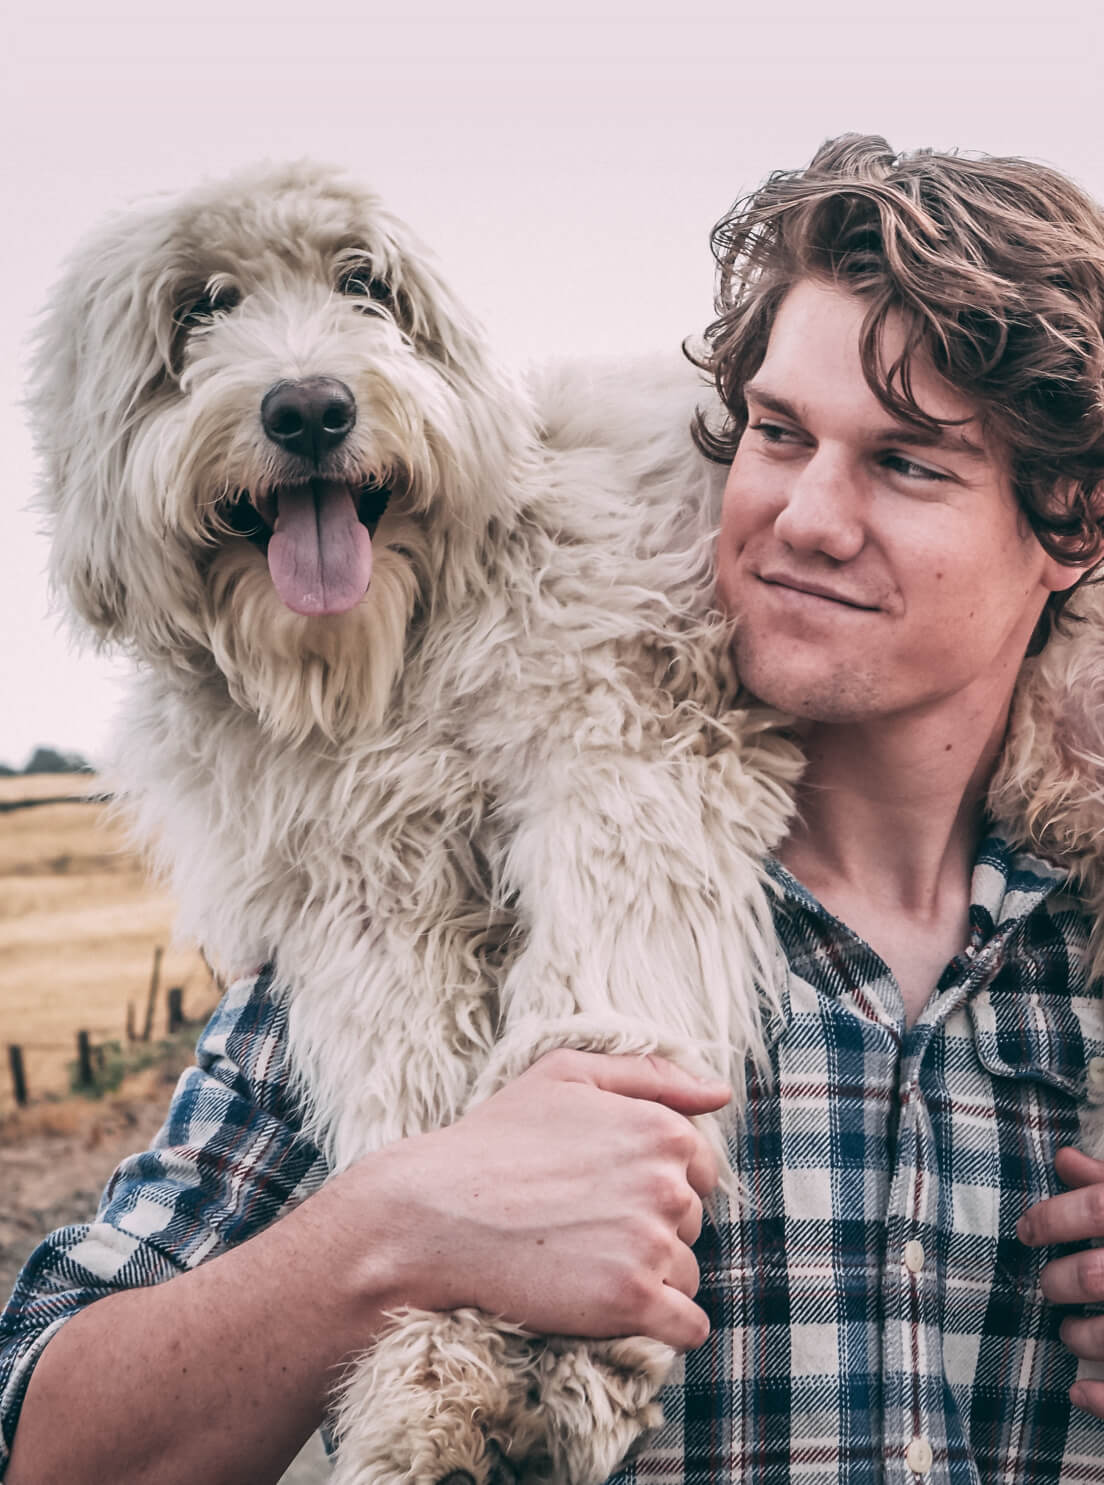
(319, 554)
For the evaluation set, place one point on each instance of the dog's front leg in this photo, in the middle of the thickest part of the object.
(440, 1398)
(639, 882)
(647, 928)
(465, 1399)
(468, 1399)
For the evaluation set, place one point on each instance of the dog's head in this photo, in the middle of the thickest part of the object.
(268, 431)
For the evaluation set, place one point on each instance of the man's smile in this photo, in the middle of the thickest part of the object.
(798, 588)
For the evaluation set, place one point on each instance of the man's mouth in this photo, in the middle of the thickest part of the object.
(811, 588)
(317, 537)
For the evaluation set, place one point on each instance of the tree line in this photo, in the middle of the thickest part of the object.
(49, 760)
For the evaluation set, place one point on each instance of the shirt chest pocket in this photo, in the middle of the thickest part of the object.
(1014, 1086)
(1045, 1055)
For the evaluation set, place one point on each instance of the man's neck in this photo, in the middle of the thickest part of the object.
(889, 820)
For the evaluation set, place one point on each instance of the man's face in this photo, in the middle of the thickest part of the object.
(873, 571)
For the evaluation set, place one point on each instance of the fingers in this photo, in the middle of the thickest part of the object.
(1076, 1168)
(676, 1320)
(701, 1168)
(1084, 1335)
(1078, 1279)
(1089, 1396)
(655, 1080)
(641, 1217)
(649, 1077)
(689, 1229)
(1075, 1280)
(1074, 1217)
(683, 1273)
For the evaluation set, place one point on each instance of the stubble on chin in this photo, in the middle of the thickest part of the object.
(796, 684)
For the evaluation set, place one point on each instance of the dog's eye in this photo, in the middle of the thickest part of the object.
(201, 306)
(359, 282)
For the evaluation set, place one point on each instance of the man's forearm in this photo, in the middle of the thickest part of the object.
(568, 1203)
(228, 1363)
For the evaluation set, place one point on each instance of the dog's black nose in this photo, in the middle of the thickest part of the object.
(310, 417)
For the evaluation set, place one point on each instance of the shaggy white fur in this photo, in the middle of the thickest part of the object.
(507, 800)
(511, 797)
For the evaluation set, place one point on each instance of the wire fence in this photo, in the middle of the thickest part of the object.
(9, 806)
(93, 1048)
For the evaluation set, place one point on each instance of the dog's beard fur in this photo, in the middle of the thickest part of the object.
(300, 674)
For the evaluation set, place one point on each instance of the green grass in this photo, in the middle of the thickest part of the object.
(114, 1061)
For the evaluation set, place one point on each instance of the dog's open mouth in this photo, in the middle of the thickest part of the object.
(318, 540)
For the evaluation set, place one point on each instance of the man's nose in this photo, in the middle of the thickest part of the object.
(823, 511)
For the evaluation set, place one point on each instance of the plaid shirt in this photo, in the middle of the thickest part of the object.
(874, 1317)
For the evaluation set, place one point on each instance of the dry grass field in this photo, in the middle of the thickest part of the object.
(79, 922)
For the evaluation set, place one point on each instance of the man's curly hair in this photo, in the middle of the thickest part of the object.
(996, 268)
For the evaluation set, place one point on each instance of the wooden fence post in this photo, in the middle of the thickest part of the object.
(84, 1060)
(19, 1080)
(147, 1030)
(176, 1008)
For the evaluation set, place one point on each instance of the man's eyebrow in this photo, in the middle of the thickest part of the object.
(950, 438)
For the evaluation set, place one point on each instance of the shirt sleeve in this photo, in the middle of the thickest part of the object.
(229, 1159)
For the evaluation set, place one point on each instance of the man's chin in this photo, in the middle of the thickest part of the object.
(827, 694)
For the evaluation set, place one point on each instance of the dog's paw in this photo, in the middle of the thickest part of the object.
(502, 1471)
(595, 1400)
(499, 1471)
(440, 1399)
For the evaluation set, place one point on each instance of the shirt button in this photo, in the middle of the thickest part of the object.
(914, 1256)
(918, 1456)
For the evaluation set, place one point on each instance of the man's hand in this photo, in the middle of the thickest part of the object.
(568, 1202)
(1077, 1216)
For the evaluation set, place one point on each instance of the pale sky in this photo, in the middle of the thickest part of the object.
(565, 163)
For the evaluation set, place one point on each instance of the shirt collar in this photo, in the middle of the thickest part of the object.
(1006, 885)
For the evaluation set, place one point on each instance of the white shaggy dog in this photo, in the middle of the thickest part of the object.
(430, 711)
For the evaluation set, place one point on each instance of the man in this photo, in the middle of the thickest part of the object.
(910, 352)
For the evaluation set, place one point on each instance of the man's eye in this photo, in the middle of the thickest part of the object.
(910, 469)
(773, 432)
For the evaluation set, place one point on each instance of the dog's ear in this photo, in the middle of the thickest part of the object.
(490, 396)
(102, 363)
(442, 327)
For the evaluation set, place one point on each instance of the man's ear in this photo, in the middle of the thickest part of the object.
(1084, 509)
(1058, 577)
